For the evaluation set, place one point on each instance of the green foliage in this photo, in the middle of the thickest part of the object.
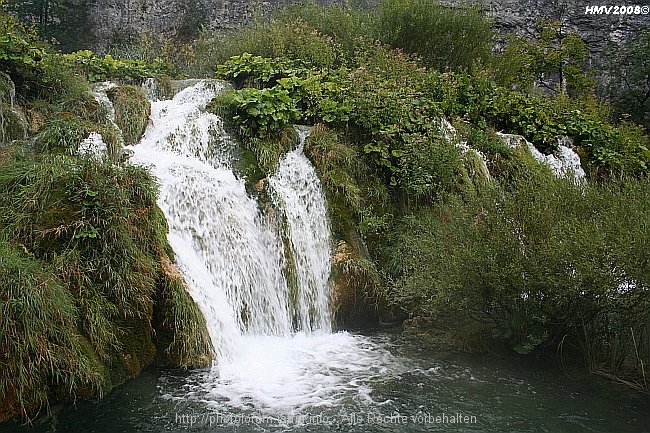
(247, 70)
(348, 26)
(266, 111)
(18, 52)
(543, 261)
(287, 38)
(42, 350)
(328, 36)
(382, 101)
(629, 71)
(609, 150)
(63, 133)
(64, 22)
(105, 68)
(339, 167)
(446, 38)
(428, 167)
(132, 109)
(555, 60)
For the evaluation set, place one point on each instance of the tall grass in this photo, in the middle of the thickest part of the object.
(132, 109)
(82, 264)
(446, 38)
(42, 349)
(182, 334)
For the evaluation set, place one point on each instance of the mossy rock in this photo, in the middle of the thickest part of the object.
(13, 123)
(224, 106)
(358, 297)
(132, 110)
(181, 334)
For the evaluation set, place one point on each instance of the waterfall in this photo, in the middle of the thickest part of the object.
(297, 192)
(259, 275)
(94, 145)
(564, 162)
(229, 251)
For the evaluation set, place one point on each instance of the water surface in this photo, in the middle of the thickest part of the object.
(378, 382)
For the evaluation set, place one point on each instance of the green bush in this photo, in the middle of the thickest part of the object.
(348, 26)
(42, 349)
(546, 263)
(105, 68)
(294, 39)
(630, 80)
(266, 111)
(446, 38)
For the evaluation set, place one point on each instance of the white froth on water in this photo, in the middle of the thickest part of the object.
(296, 374)
(563, 162)
(93, 145)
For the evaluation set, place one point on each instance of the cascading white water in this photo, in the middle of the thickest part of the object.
(564, 162)
(226, 249)
(297, 192)
(232, 257)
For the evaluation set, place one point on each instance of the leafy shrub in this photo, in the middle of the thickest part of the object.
(294, 39)
(629, 87)
(247, 70)
(348, 26)
(106, 68)
(554, 60)
(265, 111)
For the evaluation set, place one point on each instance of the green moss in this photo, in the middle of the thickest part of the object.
(132, 109)
(85, 106)
(13, 124)
(476, 169)
(358, 295)
(181, 333)
(224, 106)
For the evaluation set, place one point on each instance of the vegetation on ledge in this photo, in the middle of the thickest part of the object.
(88, 292)
(421, 231)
